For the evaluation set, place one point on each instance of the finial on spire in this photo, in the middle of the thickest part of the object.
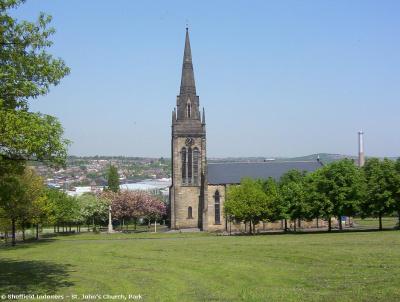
(203, 121)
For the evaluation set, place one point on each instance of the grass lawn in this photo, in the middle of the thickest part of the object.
(387, 222)
(363, 266)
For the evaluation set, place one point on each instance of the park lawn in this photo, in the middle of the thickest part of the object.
(387, 222)
(350, 266)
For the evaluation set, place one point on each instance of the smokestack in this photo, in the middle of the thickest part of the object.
(361, 158)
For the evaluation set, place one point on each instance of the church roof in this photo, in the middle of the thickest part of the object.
(232, 173)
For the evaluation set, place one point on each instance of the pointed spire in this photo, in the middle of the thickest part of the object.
(203, 121)
(173, 116)
(187, 80)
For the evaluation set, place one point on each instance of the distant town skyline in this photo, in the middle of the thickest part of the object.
(276, 79)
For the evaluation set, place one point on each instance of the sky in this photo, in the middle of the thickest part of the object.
(276, 78)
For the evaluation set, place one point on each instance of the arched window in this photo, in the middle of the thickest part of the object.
(189, 164)
(190, 213)
(183, 156)
(189, 109)
(195, 166)
(217, 207)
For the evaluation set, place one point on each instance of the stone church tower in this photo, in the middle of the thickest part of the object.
(188, 144)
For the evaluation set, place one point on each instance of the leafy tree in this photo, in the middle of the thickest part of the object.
(11, 192)
(344, 187)
(92, 208)
(292, 196)
(247, 202)
(27, 70)
(30, 136)
(396, 190)
(65, 209)
(382, 188)
(113, 179)
(124, 205)
(318, 202)
(271, 190)
(335, 190)
(32, 202)
(151, 207)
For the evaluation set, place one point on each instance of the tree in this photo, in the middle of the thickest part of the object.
(151, 207)
(396, 190)
(382, 187)
(30, 136)
(92, 208)
(113, 179)
(32, 202)
(247, 202)
(335, 190)
(292, 197)
(344, 187)
(11, 192)
(272, 193)
(65, 209)
(27, 70)
(124, 205)
(318, 202)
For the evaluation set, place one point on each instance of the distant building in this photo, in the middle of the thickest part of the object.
(197, 192)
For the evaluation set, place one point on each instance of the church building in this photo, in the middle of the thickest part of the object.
(198, 188)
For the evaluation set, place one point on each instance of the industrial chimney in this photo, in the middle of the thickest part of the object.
(361, 158)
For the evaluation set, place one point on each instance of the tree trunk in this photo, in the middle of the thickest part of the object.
(135, 223)
(285, 225)
(54, 228)
(93, 224)
(37, 231)
(13, 231)
(299, 223)
(329, 224)
(295, 226)
(23, 232)
(250, 229)
(340, 223)
(317, 223)
(380, 222)
(254, 228)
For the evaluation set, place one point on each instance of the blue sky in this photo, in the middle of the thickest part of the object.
(276, 78)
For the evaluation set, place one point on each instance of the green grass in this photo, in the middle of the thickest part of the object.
(363, 266)
(387, 222)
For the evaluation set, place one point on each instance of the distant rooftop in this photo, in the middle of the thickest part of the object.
(232, 173)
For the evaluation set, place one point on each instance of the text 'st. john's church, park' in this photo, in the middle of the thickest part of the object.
(198, 189)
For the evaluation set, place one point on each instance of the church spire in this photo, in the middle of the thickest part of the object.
(187, 80)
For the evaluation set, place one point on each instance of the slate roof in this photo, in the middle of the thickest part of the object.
(232, 173)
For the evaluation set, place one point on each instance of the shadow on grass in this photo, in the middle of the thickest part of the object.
(317, 231)
(44, 238)
(38, 277)
(24, 244)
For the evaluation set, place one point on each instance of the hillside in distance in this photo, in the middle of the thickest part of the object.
(324, 157)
